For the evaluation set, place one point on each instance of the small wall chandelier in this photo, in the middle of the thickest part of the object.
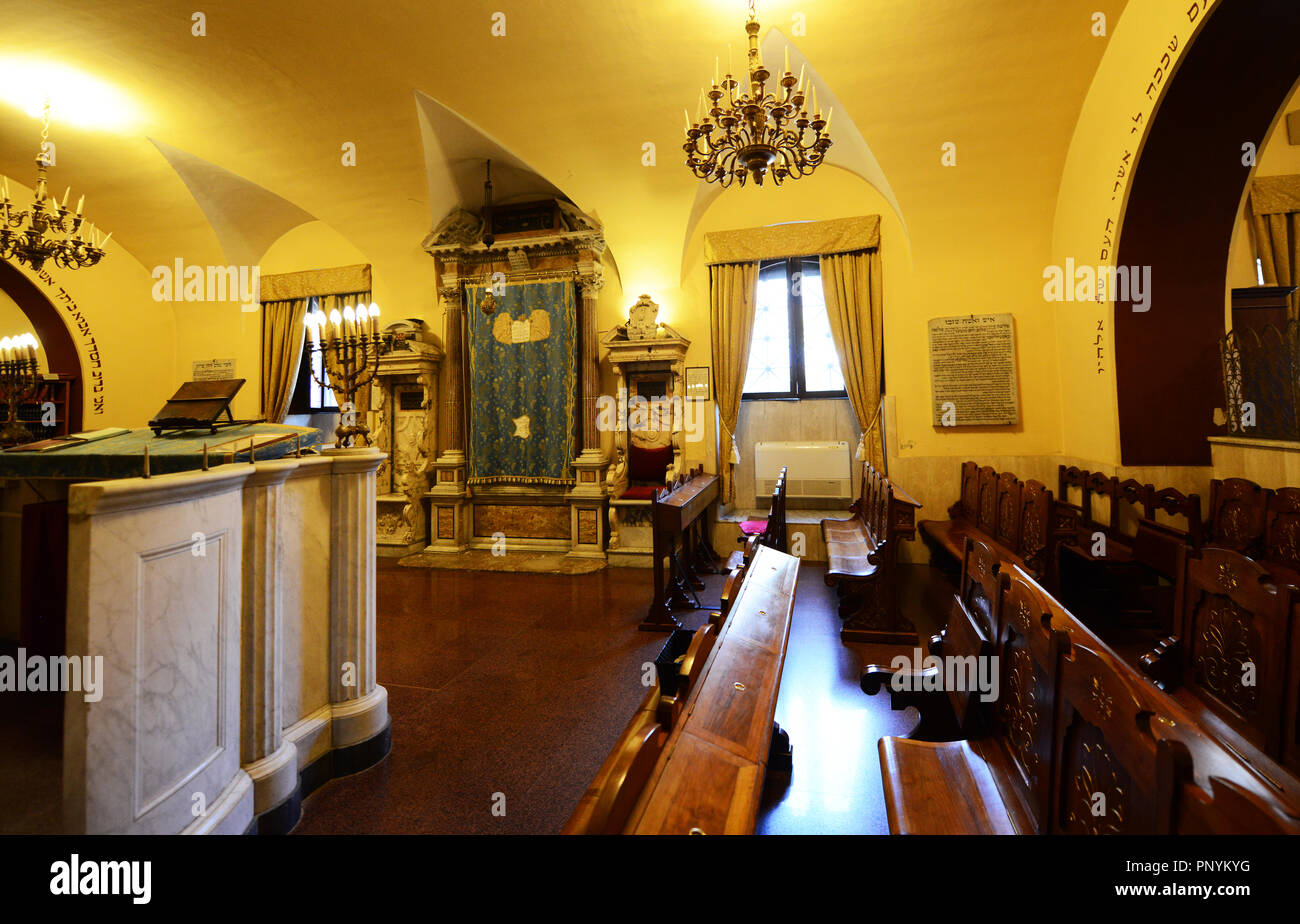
(48, 230)
(756, 133)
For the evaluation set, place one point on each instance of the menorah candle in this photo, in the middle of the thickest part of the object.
(374, 319)
(349, 322)
(310, 321)
(4, 350)
(336, 321)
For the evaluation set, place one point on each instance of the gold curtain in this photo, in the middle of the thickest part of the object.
(1275, 219)
(282, 339)
(733, 289)
(327, 303)
(1277, 243)
(851, 284)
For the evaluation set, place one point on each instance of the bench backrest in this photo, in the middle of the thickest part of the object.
(1237, 626)
(1068, 477)
(965, 638)
(1113, 775)
(979, 590)
(986, 514)
(1028, 652)
(1098, 484)
(1176, 503)
(969, 502)
(637, 754)
(1238, 510)
(1035, 524)
(1007, 531)
(1282, 532)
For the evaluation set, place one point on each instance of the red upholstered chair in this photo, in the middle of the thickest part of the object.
(647, 469)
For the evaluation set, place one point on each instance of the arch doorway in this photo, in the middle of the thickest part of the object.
(60, 351)
(1179, 220)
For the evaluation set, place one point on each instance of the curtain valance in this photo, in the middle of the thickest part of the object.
(1274, 195)
(797, 239)
(336, 280)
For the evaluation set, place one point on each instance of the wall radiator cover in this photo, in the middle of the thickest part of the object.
(819, 472)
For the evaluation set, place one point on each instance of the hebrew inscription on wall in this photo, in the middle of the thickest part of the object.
(973, 371)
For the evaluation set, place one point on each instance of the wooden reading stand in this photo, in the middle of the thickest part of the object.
(677, 512)
(197, 405)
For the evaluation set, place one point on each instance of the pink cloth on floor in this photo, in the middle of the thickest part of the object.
(753, 527)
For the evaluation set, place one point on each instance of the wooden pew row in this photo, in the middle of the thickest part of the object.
(1076, 740)
(1013, 516)
(862, 557)
(701, 768)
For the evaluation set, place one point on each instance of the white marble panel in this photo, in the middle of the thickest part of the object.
(305, 529)
(154, 588)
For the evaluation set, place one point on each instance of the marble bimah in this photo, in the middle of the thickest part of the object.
(506, 293)
(235, 612)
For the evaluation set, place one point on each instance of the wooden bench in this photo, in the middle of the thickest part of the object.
(709, 778)
(1077, 742)
(861, 554)
(1013, 516)
(605, 806)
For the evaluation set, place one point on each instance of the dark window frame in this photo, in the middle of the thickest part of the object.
(794, 312)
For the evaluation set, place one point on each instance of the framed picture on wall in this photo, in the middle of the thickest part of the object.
(697, 382)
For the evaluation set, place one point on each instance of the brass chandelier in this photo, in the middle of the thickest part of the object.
(48, 230)
(758, 132)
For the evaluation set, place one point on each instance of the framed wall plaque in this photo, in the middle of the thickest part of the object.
(973, 371)
(697, 382)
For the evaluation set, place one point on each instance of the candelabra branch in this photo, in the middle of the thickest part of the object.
(348, 364)
(20, 383)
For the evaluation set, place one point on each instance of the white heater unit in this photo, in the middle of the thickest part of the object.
(818, 473)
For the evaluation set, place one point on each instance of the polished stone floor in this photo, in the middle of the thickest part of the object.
(510, 689)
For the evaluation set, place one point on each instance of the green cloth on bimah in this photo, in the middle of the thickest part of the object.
(522, 383)
(178, 451)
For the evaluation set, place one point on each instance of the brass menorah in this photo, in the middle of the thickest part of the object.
(20, 382)
(349, 344)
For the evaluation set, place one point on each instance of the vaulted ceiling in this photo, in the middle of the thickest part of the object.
(237, 135)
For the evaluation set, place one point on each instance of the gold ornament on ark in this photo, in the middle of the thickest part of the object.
(758, 130)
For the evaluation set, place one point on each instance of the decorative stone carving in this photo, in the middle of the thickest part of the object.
(643, 319)
(406, 386)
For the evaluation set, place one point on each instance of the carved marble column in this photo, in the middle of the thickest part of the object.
(359, 705)
(448, 509)
(587, 499)
(454, 401)
(589, 357)
(270, 760)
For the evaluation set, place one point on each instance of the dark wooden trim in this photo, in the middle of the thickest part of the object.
(1179, 220)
